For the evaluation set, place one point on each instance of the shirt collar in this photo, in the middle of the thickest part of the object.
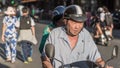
(63, 34)
(81, 38)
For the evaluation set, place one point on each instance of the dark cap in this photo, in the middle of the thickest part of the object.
(75, 13)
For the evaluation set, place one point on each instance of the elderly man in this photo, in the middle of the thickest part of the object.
(73, 43)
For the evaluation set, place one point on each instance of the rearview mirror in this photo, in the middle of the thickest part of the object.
(115, 51)
(50, 51)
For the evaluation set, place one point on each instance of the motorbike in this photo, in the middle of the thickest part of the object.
(50, 52)
(104, 40)
(106, 32)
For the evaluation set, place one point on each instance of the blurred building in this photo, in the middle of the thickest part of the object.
(25, 1)
(111, 4)
(89, 5)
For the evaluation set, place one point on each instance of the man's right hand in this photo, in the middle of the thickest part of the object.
(47, 64)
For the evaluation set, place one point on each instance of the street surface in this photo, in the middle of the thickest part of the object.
(36, 55)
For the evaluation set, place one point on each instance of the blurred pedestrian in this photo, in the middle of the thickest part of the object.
(57, 21)
(9, 34)
(108, 21)
(88, 14)
(19, 10)
(27, 35)
(99, 16)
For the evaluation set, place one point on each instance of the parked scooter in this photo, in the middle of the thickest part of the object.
(50, 52)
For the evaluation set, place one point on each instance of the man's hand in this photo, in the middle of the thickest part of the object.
(47, 64)
(102, 63)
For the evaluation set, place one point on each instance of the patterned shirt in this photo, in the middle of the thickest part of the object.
(11, 24)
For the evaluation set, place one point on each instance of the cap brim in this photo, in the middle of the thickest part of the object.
(82, 18)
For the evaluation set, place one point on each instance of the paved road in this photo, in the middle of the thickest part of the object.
(36, 55)
(106, 51)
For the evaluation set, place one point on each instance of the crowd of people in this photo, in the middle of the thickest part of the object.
(73, 43)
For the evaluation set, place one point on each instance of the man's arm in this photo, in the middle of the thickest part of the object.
(100, 62)
(32, 26)
(33, 30)
(94, 54)
(3, 31)
(45, 60)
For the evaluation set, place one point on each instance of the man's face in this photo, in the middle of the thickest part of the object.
(73, 27)
(25, 13)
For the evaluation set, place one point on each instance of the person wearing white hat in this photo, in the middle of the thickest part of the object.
(9, 34)
(10, 10)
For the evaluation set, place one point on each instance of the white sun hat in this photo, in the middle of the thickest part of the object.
(10, 10)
